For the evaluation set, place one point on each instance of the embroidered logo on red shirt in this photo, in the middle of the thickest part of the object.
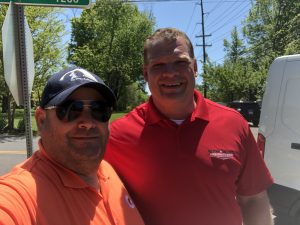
(221, 154)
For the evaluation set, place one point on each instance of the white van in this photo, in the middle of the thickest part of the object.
(279, 137)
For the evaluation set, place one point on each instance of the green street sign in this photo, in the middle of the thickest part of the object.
(54, 3)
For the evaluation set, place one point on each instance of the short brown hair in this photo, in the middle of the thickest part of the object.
(167, 34)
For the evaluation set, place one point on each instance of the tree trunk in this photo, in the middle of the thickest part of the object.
(4, 103)
(11, 113)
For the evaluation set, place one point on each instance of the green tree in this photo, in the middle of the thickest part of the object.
(231, 81)
(108, 40)
(234, 50)
(235, 79)
(47, 30)
(133, 95)
(272, 29)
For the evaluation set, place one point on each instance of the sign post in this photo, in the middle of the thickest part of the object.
(24, 78)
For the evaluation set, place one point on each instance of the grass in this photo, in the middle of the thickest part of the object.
(117, 115)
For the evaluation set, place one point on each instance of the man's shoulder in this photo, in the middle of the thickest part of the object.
(22, 174)
(108, 174)
(18, 181)
(106, 168)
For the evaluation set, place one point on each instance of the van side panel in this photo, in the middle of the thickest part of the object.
(271, 97)
(283, 124)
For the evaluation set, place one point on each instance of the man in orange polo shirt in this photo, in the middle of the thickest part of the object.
(66, 181)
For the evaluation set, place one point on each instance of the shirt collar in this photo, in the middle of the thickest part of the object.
(201, 110)
(153, 115)
(67, 177)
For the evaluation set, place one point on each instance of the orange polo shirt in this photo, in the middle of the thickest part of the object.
(40, 191)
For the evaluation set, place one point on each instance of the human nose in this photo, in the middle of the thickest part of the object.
(169, 70)
(86, 120)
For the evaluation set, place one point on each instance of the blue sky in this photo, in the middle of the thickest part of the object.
(219, 19)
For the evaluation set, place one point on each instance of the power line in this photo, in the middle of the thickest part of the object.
(192, 34)
(230, 19)
(224, 15)
(192, 15)
(222, 36)
(216, 6)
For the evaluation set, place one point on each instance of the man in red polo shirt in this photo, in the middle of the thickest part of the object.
(185, 159)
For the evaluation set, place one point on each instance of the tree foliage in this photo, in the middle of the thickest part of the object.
(108, 39)
(234, 49)
(271, 29)
(234, 80)
(47, 30)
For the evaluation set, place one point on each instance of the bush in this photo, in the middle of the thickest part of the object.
(3, 123)
(21, 125)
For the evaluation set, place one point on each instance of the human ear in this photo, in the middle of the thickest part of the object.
(195, 66)
(40, 118)
(145, 73)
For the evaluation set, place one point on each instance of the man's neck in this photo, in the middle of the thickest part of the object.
(92, 180)
(88, 172)
(175, 110)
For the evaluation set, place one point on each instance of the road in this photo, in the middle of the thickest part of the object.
(13, 151)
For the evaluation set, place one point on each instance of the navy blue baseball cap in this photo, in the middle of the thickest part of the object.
(62, 84)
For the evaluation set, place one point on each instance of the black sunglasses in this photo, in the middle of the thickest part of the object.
(72, 109)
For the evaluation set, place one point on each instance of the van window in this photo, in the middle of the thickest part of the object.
(291, 103)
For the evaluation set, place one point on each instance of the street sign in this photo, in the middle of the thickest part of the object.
(54, 3)
(11, 57)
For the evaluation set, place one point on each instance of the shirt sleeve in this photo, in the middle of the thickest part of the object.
(13, 209)
(255, 176)
(5, 218)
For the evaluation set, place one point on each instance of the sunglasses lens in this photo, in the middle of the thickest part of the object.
(100, 111)
(75, 110)
(62, 110)
(70, 111)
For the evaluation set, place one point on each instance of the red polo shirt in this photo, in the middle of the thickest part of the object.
(40, 191)
(190, 173)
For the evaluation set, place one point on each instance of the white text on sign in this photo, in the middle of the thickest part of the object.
(67, 1)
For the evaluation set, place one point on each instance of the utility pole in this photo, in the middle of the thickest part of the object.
(203, 46)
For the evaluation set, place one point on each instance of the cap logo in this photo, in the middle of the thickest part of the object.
(78, 74)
